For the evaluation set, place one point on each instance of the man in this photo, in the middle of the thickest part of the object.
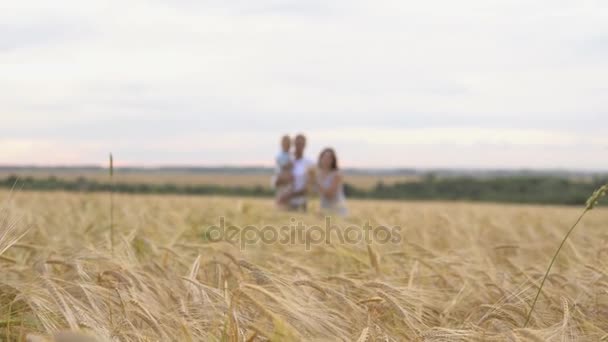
(301, 166)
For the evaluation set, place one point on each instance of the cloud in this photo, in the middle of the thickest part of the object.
(132, 72)
(462, 136)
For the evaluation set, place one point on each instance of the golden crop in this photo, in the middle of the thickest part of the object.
(460, 271)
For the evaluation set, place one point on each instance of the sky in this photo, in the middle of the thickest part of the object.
(388, 83)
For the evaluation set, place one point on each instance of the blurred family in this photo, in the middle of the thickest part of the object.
(297, 177)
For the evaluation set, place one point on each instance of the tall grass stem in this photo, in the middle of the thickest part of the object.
(112, 204)
(591, 203)
(542, 283)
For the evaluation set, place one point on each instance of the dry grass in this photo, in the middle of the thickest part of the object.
(462, 272)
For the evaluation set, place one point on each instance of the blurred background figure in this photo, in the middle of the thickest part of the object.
(295, 199)
(284, 171)
(330, 183)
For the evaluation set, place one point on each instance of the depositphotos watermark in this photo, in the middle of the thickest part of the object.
(298, 233)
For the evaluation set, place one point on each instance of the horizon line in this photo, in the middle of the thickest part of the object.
(145, 167)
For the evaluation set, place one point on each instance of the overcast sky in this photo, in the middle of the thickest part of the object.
(472, 83)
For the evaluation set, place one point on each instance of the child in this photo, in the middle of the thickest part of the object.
(284, 169)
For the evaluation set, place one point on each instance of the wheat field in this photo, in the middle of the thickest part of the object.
(363, 181)
(459, 272)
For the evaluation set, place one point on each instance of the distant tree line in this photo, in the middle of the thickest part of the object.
(82, 184)
(514, 189)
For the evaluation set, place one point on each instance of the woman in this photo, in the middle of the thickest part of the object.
(329, 183)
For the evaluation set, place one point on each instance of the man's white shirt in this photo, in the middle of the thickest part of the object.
(300, 178)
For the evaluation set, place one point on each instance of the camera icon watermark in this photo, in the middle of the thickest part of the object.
(299, 233)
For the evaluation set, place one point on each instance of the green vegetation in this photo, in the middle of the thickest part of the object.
(512, 189)
(519, 189)
(82, 184)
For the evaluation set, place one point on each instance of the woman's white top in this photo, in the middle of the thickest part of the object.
(337, 203)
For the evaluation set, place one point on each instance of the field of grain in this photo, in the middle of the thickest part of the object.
(456, 272)
(249, 179)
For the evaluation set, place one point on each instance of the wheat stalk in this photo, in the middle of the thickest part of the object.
(112, 204)
(590, 204)
(364, 335)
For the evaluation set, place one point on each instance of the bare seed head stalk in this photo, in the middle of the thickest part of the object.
(112, 204)
(592, 201)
